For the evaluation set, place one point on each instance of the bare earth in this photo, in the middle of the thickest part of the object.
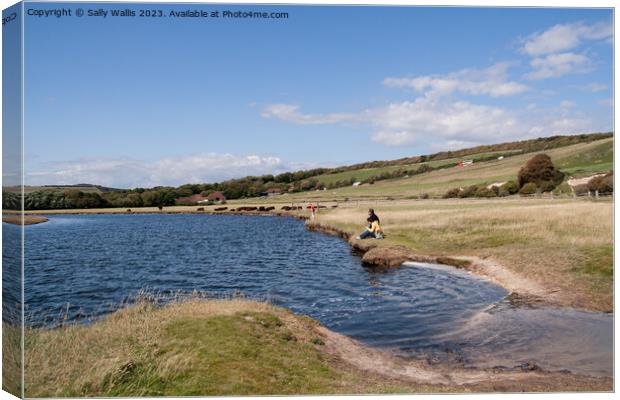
(28, 219)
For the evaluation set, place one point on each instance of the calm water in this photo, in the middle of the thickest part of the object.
(87, 265)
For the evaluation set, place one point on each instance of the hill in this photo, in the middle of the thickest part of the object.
(433, 175)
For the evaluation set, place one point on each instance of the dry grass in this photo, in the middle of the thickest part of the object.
(11, 359)
(563, 244)
(195, 347)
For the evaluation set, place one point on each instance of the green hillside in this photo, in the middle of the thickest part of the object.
(576, 160)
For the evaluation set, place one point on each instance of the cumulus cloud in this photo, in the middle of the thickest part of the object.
(407, 123)
(448, 122)
(556, 65)
(492, 81)
(129, 173)
(290, 113)
(562, 37)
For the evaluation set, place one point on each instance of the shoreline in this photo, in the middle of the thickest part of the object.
(28, 219)
(523, 292)
(340, 352)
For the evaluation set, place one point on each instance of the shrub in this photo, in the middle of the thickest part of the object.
(452, 193)
(483, 191)
(503, 192)
(528, 188)
(424, 196)
(563, 188)
(604, 184)
(581, 189)
(511, 187)
(546, 186)
(540, 171)
(469, 191)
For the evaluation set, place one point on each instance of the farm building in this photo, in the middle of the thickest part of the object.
(216, 197)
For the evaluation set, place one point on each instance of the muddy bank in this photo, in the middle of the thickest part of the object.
(28, 219)
(521, 378)
(524, 292)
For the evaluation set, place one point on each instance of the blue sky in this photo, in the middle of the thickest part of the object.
(149, 101)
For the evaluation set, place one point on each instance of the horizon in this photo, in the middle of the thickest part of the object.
(93, 184)
(147, 103)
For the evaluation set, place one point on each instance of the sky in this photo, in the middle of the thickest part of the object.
(139, 102)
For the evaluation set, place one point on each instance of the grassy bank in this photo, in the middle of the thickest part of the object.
(239, 347)
(197, 347)
(564, 245)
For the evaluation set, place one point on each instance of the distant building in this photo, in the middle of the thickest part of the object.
(194, 199)
(216, 197)
(464, 163)
(274, 191)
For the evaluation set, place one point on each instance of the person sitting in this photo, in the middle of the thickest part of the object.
(373, 230)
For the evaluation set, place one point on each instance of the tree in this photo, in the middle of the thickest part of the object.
(540, 171)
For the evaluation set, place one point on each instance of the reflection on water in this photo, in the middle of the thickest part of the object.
(88, 264)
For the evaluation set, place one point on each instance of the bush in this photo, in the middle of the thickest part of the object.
(502, 192)
(546, 186)
(469, 191)
(483, 191)
(510, 187)
(581, 189)
(452, 193)
(528, 188)
(563, 188)
(424, 196)
(604, 184)
(540, 171)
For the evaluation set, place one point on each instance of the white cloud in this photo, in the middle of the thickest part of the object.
(606, 102)
(562, 37)
(290, 113)
(407, 123)
(442, 121)
(492, 81)
(128, 173)
(595, 87)
(556, 65)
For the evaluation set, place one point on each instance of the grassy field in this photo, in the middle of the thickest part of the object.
(207, 348)
(577, 160)
(365, 173)
(565, 245)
